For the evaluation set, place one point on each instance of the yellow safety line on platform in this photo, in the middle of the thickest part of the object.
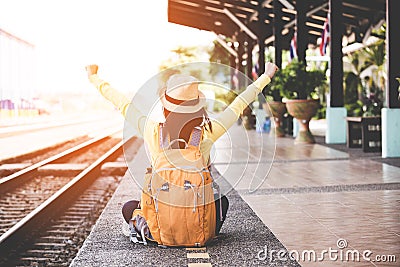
(199, 264)
(196, 249)
(198, 253)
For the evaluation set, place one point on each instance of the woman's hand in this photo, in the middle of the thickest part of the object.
(91, 69)
(270, 69)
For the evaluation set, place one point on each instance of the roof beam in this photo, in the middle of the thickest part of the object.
(226, 46)
(309, 13)
(243, 3)
(357, 16)
(241, 9)
(184, 15)
(287, 4)
(371, 5)
(240, 24)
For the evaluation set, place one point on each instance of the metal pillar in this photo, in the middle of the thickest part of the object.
(392, 52)
(302, 34)
(391, 113)
(278, 27)
(262, 15)
(335, 112)
(336, 55)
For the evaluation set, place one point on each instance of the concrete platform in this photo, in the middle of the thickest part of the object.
(314, 198)
(317, 203)
(23, 139)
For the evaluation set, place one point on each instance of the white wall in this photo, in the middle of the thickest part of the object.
(17, 61)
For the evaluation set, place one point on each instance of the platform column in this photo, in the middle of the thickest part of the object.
(391, 113)
(302, 33)
(335, 112)
(278, 27)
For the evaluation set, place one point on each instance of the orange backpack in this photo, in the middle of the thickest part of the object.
(177, 206)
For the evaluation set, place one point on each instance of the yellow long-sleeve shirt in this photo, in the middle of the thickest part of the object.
(148, 128)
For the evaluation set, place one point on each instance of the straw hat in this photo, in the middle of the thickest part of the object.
(182, 94)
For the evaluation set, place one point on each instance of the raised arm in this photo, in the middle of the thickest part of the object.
(118, 99)
(230, 115)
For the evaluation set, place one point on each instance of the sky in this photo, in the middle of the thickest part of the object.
(127, 39)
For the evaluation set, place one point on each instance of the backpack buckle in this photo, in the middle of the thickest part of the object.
(165, 187)
(187, 185)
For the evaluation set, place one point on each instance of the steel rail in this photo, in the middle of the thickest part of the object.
(14, 179)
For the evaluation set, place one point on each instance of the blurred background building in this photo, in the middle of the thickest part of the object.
(17, 78)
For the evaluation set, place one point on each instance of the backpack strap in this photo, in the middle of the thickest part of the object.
(140, 231)
(163, 136)
(164, 139)
(196, 136)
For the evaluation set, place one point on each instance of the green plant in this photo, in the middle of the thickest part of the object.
(372, 98)
(321, 113)
(298, 83)
(274, 88)
(352, 94)
(354, 109)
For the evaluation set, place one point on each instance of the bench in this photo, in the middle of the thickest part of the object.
(365, 133)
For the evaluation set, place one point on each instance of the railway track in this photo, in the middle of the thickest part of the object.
(14, 164)
(45, 213)
(11, 181)
(58, 243)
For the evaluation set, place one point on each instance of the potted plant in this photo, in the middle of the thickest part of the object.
(299, 87)
(275, 104)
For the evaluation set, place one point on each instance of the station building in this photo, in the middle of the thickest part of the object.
(17, 77)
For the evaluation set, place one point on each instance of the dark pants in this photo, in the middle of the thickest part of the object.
(131, 205)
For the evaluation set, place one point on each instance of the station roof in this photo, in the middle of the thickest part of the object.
(211, 15)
